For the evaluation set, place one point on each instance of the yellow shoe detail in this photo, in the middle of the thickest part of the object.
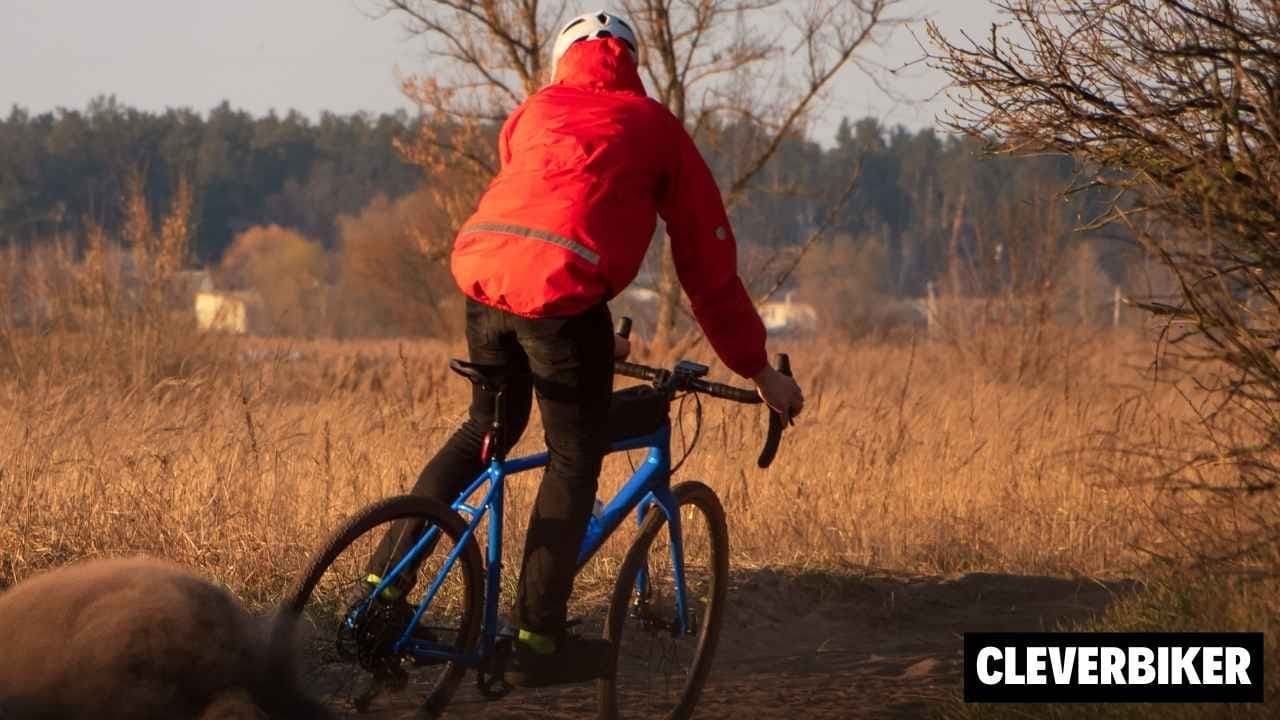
(540, 644)
(390, 592)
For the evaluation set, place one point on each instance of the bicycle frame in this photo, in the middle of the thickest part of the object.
(650, 484)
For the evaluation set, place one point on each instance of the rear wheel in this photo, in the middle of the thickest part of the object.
(344, 642)
(659, 671)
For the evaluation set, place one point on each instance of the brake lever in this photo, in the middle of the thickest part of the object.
(776, 422)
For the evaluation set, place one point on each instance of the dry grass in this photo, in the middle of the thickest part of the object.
(996, 448)
(1019, 450)
(1027, 448)
(909, 457)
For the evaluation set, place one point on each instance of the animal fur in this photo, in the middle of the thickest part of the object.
(129, 639)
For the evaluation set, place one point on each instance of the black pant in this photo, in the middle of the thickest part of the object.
(569, 363)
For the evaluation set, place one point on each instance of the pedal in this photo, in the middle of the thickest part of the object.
(371, 685)
(489, 678)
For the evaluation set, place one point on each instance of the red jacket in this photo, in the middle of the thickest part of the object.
(588, 162)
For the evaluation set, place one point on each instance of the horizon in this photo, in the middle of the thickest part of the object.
(247, 55)
(313, 119)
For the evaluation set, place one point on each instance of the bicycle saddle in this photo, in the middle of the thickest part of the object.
(488, 377)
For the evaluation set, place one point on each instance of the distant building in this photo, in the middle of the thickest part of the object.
(788, 317)
(222, 313)
(217, 311)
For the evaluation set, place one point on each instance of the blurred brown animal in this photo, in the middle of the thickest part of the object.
(128, 639)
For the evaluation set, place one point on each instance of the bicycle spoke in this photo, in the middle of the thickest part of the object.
(660, 670)
(347, 640)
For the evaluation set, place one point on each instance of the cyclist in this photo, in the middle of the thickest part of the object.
(587, 163)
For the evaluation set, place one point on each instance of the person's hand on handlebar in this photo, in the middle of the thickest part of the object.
(780, 392)
(621, 347)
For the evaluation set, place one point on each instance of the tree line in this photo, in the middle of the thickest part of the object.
(929, 207)
(63, 170)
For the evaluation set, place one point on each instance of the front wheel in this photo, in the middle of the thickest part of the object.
(660, 672)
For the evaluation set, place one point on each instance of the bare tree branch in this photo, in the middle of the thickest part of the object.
(1176, 106)
(764, 64)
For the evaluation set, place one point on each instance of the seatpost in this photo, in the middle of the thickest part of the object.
(493, 438)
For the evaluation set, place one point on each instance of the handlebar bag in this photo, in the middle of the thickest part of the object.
(637, 411)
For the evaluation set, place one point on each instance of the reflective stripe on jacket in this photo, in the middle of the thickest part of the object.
(588, 163)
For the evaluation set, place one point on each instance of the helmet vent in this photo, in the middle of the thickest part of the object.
(594, 26)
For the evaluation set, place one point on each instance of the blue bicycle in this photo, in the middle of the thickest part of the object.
(363, 637)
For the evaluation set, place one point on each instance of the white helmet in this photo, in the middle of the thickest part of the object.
(591, 26)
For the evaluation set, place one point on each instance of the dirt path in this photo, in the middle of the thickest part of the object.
(814, 646)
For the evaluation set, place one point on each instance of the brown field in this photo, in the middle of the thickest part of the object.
(931, 487)
(916, 458)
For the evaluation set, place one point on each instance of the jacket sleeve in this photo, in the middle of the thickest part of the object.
(706, 258)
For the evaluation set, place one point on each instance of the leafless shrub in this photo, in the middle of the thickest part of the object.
(288, 271)
(78, 306)
(1175, 105)
(391, 276)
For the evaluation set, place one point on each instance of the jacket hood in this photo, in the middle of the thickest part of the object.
(604, 64)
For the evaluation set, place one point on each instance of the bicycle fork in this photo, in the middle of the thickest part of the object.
(682, 624)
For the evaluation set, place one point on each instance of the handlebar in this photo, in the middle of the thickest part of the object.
(776, 422)
(677, 380)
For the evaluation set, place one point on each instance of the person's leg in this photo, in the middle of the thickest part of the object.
(458, 461)
(572, 364)
(490, 341)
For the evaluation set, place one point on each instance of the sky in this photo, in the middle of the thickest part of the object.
(317, 55)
